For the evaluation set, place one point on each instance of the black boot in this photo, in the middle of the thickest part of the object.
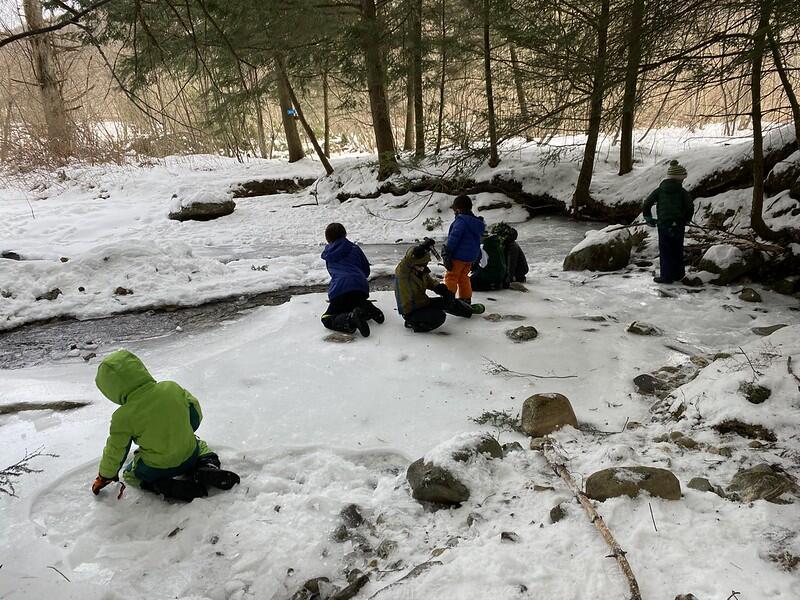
(339, 322)
(359, 321)
(372, 312)
(185, 490)
(207, 472)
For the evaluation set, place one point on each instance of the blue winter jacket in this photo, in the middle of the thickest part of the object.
(348, 266)
(464, 237)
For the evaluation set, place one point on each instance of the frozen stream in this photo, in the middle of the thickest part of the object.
(546, 243)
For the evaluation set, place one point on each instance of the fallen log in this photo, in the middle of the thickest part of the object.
(556, 460)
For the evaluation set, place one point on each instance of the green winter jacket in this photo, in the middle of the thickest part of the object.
(493, 275)
(160, 417)
(410, 286)
(673, 204)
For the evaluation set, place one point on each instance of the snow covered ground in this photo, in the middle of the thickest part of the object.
(313, 426)
(101, 237)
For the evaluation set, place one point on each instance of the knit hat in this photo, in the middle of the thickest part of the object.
(676, 170)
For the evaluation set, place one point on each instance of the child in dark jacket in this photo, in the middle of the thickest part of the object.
(161, 418)
(463, 247)
(412, 279)
(674, 209)
(516, 263)
(349, 308)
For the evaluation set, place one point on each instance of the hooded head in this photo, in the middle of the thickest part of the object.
(676, 171)
(120, 374)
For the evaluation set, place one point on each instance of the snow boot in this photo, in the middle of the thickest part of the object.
(185, 490)
(372, 312)
(358, 320)
(207, 472)
(478, 309)
(340, 322)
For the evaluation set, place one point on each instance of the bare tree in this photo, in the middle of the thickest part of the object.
(55, 112)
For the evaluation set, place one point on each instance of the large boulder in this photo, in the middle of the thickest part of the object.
(200, 205)
(544, 413)
(729, 262)
(432, 483)
(629, 481)
(783, 175)
(606, 250)
(761, 482)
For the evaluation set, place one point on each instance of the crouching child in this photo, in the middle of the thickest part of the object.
(161, 418)
(348, 305)
(412, 280)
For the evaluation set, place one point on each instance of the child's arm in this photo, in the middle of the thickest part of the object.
(688, 207)
(647, 207)
(455, 233)
(117, 446)
(195, 414)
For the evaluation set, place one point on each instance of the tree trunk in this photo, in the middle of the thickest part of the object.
(262, 136)
(787, 84)
(325, 113)
(6, 131)
(376, 82)
(419, 116)
(631, 83)
(518, 83)
(581, 196)
(759, 45)
(442, 81)
(296, 151)
(55, 112)
(408, 136)
(309, 132)
(494, 159)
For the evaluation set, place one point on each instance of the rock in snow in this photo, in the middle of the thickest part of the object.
(545, 413)
(761, 482)
(729, 263)
(629, 481)
(606, 250)
(200, 205)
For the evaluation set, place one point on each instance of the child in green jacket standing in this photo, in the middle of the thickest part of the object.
(674, 208)
(161, 418)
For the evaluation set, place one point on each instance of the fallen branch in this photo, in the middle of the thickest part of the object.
(789, 368)
(413, 573)
(556, 461)
(18, 469)
(495, 368)
(59, 572)
(756, 373)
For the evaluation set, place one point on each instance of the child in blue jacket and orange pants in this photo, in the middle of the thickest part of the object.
(463, 247)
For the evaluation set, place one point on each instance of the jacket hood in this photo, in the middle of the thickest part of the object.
(337, 250)
(120, 374)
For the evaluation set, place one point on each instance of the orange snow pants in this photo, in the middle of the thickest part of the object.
(457, 279)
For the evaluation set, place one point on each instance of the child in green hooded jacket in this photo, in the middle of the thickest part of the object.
(161, 418)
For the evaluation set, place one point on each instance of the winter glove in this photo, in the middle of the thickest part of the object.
(650, 221)
(443, 291)
(100, 482)
(447, 260)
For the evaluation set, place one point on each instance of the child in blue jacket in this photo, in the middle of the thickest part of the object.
(349, 308)
(463, 247)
